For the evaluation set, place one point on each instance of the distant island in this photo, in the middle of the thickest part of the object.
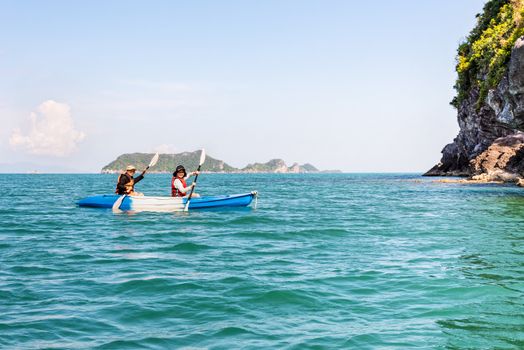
(168, 162)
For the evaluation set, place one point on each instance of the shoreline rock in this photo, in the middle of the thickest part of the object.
(468, 181)
(502, 162)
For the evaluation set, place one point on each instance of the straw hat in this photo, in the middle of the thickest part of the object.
(130, 167)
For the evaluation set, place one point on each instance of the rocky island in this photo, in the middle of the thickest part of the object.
(489, 99)
(168, 162)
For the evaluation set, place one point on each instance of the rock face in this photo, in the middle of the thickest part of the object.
(491, 126)
(502, 161)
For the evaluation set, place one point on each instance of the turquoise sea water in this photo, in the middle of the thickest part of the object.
(363, 261)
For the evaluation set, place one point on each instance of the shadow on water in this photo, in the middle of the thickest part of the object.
(492, 281)
(511, 206)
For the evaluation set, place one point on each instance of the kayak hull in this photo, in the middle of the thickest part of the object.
(167, 204)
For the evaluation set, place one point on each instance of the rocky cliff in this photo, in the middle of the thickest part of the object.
(490, 97)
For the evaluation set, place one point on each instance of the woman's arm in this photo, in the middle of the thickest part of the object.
(181, 188)
(139, 177)
(191, 174)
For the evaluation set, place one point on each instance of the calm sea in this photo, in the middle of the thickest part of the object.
(361, 261)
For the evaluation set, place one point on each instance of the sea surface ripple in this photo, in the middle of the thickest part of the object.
(364, 261)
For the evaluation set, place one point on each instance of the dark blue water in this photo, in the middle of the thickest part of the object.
(364, 261)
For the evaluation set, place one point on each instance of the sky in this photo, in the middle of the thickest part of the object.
(359, 86)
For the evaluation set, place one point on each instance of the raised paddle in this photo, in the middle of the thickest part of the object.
(118, 202)
(202, 159)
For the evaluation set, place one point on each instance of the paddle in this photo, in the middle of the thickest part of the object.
(202, 159)
(118, 202)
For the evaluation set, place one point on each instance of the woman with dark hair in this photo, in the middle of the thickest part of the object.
(179, 187)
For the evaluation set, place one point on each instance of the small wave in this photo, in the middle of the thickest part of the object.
(321, 232)
(231, 280)
(231, 331)
(32, 269)
(252, 220)
(145, 286)
(142, 343)
(85, 257)
(285, 297)
(189, 247)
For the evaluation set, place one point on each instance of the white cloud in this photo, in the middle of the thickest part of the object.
(165, 148)
(51, 132)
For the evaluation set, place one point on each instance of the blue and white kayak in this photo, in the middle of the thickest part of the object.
(166, 204)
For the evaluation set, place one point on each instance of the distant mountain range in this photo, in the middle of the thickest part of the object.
(168, 162)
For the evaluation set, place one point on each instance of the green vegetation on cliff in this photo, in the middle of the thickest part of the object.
(482, 58)
(167, 162)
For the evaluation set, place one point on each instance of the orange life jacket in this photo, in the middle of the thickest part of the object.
(174, 191)
(130, 186)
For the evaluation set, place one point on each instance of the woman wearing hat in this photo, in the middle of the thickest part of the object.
(179, 187)
(126, 182)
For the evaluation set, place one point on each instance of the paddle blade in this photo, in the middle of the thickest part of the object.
(117, 204)
(153, 160)
(202, 157)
